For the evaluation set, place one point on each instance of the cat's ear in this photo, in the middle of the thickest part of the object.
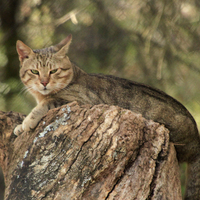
(62, 47)
(23, 50)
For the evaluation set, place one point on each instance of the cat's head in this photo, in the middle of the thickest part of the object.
(45, 71)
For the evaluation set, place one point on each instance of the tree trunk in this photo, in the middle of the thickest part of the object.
(88, 152)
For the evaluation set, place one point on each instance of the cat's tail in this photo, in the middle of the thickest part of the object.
(193, 180)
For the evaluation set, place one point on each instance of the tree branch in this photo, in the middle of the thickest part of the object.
(88, 152)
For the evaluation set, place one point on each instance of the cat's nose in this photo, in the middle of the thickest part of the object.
(44, 83)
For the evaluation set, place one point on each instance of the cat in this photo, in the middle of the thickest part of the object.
(54, 80)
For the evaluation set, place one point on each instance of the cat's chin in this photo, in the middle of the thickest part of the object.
(45, 92)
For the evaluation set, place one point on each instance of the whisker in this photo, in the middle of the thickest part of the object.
(23, 90)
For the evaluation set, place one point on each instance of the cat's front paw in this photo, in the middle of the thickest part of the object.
(29, 124)
(18, 130)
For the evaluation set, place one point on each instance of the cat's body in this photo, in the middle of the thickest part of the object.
(54, 80)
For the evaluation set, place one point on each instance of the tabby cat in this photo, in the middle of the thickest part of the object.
(53, 80)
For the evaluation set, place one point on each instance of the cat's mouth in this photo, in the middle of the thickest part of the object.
(45, 91)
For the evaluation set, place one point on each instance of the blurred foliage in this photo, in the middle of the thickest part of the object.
(153, 42)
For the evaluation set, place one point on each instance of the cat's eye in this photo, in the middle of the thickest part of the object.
(53, 71)
(35, 71)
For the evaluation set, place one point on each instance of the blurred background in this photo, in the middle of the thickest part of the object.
(149, 41)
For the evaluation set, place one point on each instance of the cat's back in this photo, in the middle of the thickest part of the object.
(130, 91)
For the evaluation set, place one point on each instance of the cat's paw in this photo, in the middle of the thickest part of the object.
(18, 130)
(29, 124)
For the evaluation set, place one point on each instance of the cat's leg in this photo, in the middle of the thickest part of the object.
(32, 120)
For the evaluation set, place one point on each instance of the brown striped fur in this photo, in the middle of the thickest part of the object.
(69, 83)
